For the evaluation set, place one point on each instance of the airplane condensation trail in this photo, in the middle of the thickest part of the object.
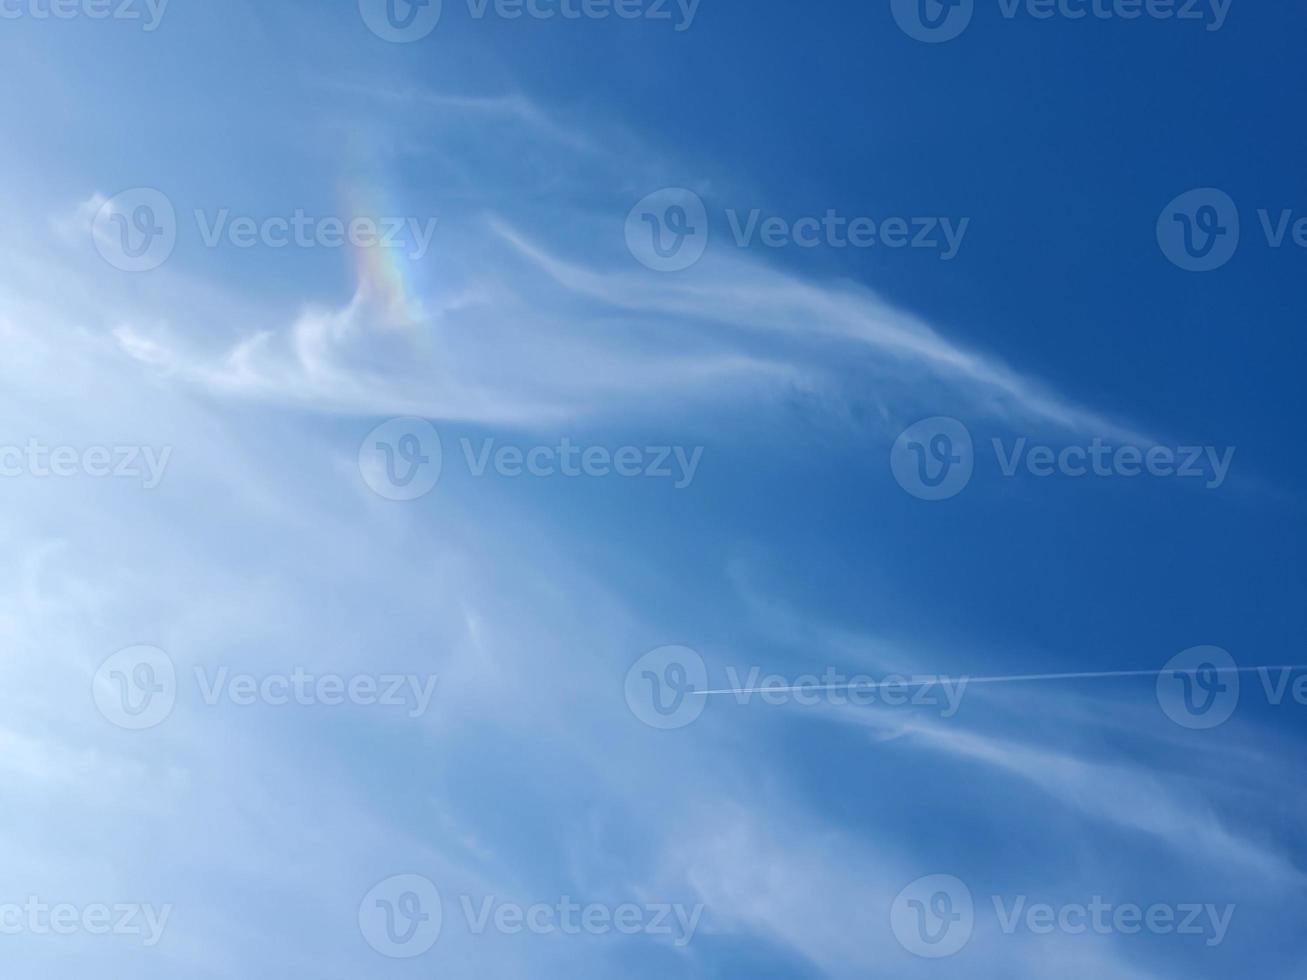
(926, 680)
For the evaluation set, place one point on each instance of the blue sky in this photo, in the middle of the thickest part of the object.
(780, 390)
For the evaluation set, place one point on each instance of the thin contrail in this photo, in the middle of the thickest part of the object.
(920, 681)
